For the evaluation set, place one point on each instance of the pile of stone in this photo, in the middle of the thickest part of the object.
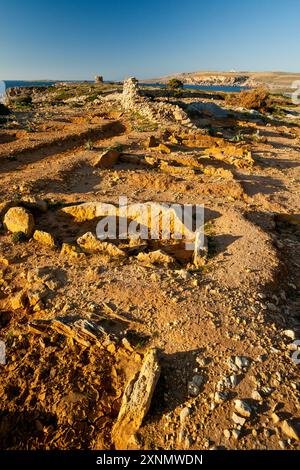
(133, 100)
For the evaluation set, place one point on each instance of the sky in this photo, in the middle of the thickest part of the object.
(71, 39)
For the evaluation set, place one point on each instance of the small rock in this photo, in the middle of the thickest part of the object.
(220, 397)
(198, 380)
(107, 159)
(18, 219)
(242, 362)
(256, 395)
(193, 389)
(275, 418)
(289, 429)
(18, 301)
(290, 334)
(238, 419)
(72, 251)
(281, 444)
(236, 434)
(202, 361)
(44, 237)
(185, 412)
(243, 408)
(227, 433)
(234, 379)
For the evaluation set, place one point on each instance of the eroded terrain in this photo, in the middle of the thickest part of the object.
(79, 317)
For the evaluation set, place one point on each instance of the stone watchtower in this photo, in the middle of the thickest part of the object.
(98, 79)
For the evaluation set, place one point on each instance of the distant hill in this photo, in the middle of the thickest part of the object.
(277, 81)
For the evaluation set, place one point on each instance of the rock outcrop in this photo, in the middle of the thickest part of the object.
(136, 401)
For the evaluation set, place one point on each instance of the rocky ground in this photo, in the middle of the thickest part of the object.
(134, 343)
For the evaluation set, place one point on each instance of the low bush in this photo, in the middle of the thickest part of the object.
(257, 99)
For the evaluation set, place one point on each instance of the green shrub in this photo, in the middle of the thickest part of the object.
(175, 84)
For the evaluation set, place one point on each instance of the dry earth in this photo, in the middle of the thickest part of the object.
(78, 323)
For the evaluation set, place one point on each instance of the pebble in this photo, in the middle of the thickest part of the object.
(256, 395)
(281, 444)
(234, 379)
(202, 361)
(238, 419)
(227, 433)
(243, 408)
(236, 434)
(289, 430)
(198, 380)
(193, 389)
(185, 412)
(220, 397)
(242, 362)
(290, 334)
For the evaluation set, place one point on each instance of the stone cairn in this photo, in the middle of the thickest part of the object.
(132, 100)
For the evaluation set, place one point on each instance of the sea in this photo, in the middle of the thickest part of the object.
(5, 84)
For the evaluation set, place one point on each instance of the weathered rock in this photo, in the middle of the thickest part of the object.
(220, 397)
(151, 142)
(290, 334)
(18, 219)
(236, 434)
(72, 251)
(198, 380)
(238, 419)
(243, 408)
(185, 412)
(89, 211)
(290, 430)
(45, 238)
(162, 148)
(18, 300)
(107, 159)
(275, 418)
(242, 362)
(36, 294)
(136, 401)
(89, 243)
(156, 257)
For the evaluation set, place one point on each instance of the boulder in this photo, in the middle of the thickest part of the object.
(18, 219)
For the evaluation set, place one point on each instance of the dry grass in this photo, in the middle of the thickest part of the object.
(258, 99)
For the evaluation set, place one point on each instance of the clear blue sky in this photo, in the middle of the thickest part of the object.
(71, 39)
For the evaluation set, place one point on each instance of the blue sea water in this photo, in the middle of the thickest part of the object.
(5, 84)
(202, 87)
